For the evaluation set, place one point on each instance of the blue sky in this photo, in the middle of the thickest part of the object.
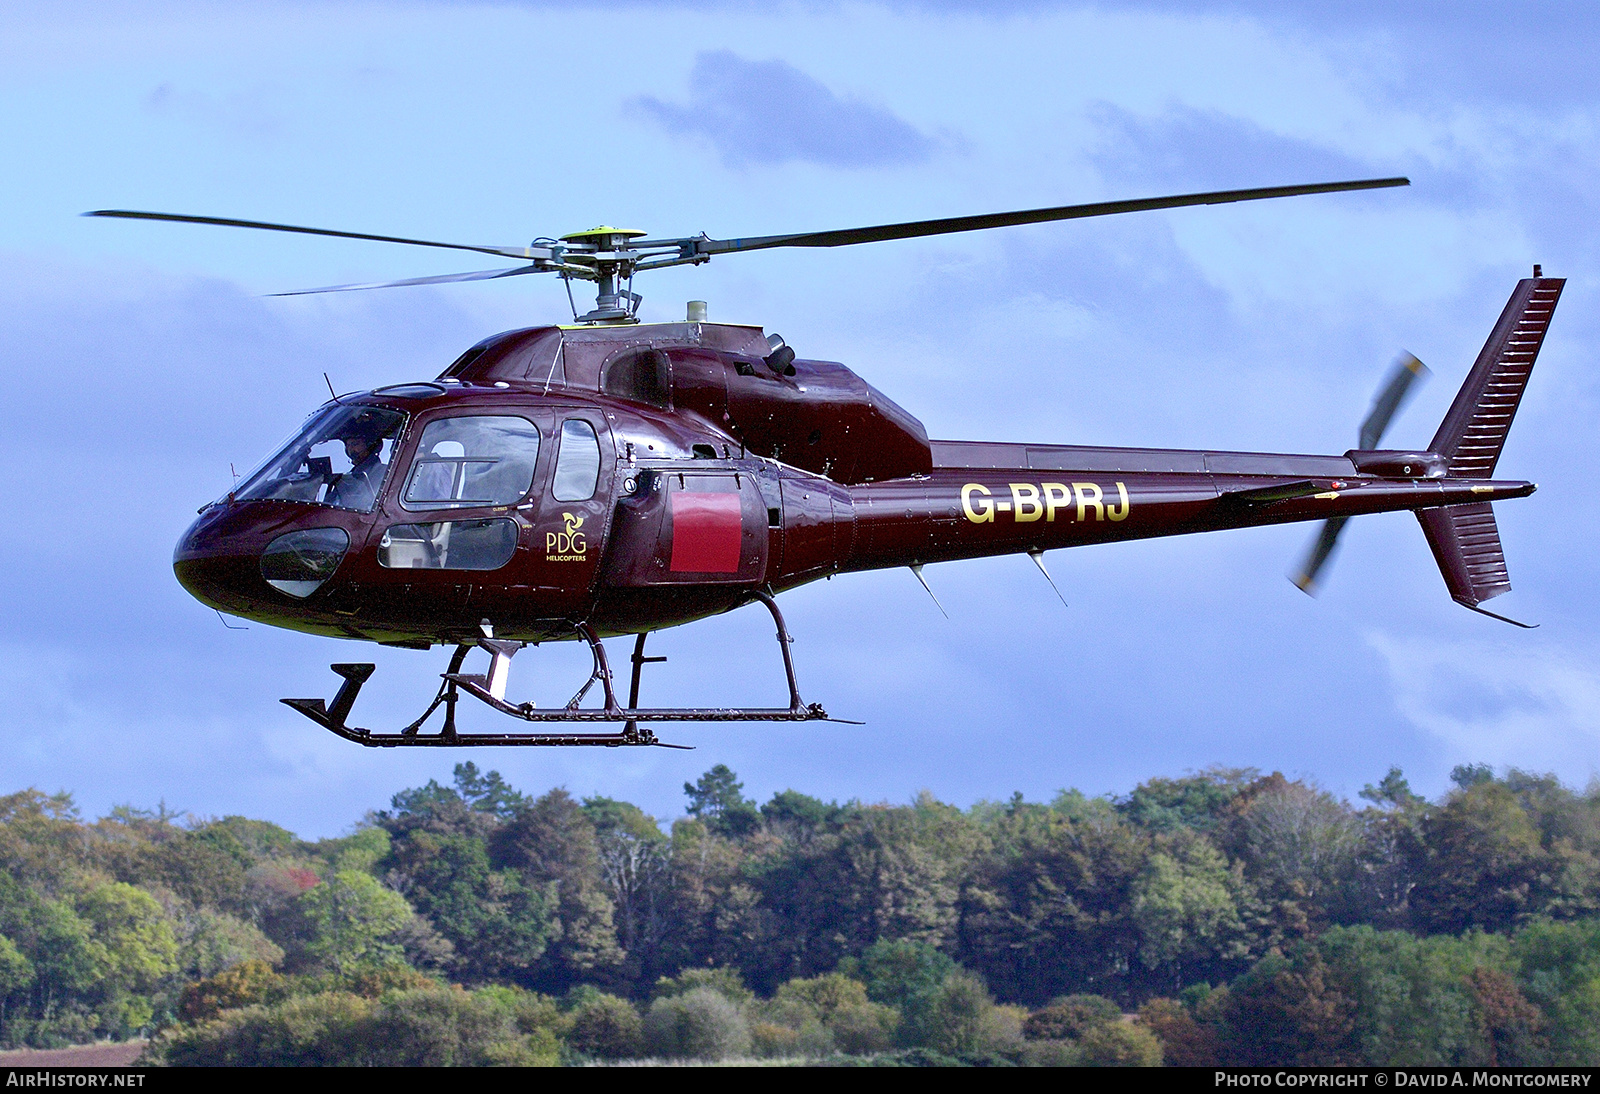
(142, 360)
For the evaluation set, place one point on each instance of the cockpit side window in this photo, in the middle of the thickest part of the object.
(473, 461)
(641, 375)
(340, 458)
(578, 462)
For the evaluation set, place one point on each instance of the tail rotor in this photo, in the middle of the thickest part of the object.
(1403, 375)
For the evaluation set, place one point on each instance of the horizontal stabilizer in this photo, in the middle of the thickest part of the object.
(1474, 430)
(1466, 544)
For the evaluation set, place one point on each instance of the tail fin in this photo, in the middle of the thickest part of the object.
(1474, 430)
(1466, 544)
(1464, 538)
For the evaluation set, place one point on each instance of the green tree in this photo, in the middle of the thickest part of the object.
(353, 921)
(1047, 907)
(552, 845)
(855, 1024)
(137, 937)
(633, 857)
(1070, 1017)
(1413, 998)
(1393, 791)
(1485, 864)
(362, 850)
(498, 925)
(608, 1027)
(699, 1024)
(203, 866)
(876, 871)
(798, 818)
(441, 1027)
(41, 841)
(329, 1029)
(1569, 832)
(59, 944)
(717, 798)
(1559, 971)
(1120, 1044)
(1194, 801)
(473, 806)
(725, 981)
(1391, 854)
(487, 793)
(96, 956)
(1298, 844)
(962, 1020)
(16, 977)
(902, 973)
(1185, 906)
(210, 941)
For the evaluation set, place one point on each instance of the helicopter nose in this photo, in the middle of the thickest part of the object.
(236, 557)
(215, 563)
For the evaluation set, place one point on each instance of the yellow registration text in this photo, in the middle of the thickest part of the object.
(1044, 501)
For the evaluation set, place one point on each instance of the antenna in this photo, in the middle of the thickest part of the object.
(1038, 560)
(916, 568)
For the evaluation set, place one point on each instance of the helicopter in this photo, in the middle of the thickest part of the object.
(609, 477)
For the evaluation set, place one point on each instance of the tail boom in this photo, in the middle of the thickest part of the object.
(958, 513)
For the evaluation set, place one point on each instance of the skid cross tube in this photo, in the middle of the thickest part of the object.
(490, 688)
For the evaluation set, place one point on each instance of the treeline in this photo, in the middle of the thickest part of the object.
(1242, 917)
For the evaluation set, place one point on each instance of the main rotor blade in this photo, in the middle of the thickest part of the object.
(441, 279)
(130, 214)
(948, 225)
(1405, 372)
(1317, 557)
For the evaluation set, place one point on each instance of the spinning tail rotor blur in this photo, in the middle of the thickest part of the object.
(1403, 375)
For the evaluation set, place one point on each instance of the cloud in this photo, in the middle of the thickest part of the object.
(1438, 49)
(1212, 150)
(253, 113)
(769, 112)
(1529, 708)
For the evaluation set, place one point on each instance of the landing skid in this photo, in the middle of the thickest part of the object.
(490, 688)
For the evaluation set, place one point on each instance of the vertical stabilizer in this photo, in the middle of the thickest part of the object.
(1464, 538)
(1474, 430)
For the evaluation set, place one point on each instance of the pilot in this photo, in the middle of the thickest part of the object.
(358, 487)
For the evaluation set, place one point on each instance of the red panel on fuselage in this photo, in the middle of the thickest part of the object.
(705, 533)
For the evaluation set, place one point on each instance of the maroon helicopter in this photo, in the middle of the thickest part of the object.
(611, 477)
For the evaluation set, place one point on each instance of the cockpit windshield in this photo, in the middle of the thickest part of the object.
(340, 458)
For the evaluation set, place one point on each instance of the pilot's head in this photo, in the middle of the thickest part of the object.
(361, 441)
